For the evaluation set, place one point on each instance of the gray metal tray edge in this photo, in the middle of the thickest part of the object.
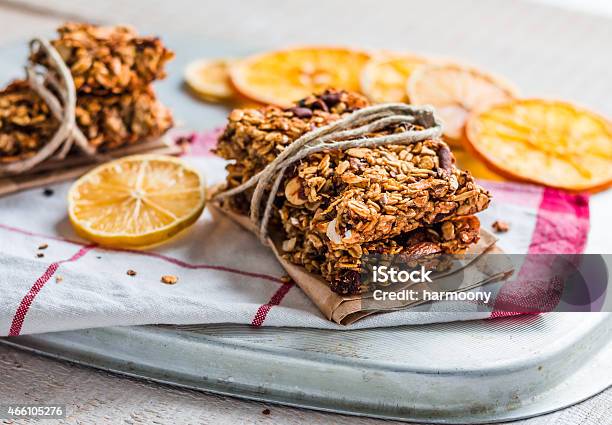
(553, 399)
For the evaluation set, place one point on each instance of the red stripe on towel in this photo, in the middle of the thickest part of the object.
(28, 299)
(39, 235)
(562, 227)
(187, 265)
(562, 224)
(157, 255)
(263, 310)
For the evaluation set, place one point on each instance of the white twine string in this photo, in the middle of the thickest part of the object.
(63, 109)
(348, 132)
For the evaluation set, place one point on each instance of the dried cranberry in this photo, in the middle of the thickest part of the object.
(331, 98)
(301, 112)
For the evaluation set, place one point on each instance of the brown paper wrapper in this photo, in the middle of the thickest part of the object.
(55, 171)
(345, 310)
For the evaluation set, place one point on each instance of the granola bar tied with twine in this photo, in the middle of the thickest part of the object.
(86, 93)
(364, 180)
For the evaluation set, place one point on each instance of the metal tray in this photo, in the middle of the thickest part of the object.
(463, 372)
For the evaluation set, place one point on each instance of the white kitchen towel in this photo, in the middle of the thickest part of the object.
(225, 275)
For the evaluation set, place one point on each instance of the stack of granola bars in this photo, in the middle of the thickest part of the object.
(113, 71)
(336, 206)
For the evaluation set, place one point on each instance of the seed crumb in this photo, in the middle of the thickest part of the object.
(48, 192)
(265, 412)
(131, 272)
(40, 254)
(169, 279)
(500, 226)
(43, 246)
(58, 279)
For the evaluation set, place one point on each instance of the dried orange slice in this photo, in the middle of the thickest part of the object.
(455, 91)
(284, 76)
(209, 79)
(546, 142)
(136, 201)
(384, 78)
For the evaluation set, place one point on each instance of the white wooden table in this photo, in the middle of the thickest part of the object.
(484, 32)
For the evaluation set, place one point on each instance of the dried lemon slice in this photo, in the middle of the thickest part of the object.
(455, 91)
(547, 142)
(209, 79)
(384, 79)
(136, 201)
(284, 76)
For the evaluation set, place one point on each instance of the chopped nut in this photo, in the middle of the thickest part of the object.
(169, 279)
(292, 192)
(131, 272)
(500, 226)
(43, 246)
(448, 230)
(40, 254)
(289, 244)
(265, 412)
(358, 152)
(58, 279)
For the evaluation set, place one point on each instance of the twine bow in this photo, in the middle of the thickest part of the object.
(62, 106)
(348, 132)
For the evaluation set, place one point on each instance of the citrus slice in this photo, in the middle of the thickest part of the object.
(455, 91)
(136, 201)
(546, 142)
(384, 78)
(209, 79)
(285, 76)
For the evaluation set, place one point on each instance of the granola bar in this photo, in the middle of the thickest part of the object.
(108, 122)
(342, 267)
(25, 122)
(369, 192)
(254, 137)
(362, 195)
(336, 203)
(109, 60)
